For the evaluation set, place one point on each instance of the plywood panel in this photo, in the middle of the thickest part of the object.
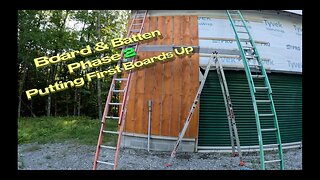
(176, 80)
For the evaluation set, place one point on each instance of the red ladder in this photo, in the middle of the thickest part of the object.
(135, 27)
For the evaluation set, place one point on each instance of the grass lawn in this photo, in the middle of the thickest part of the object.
(81, 130)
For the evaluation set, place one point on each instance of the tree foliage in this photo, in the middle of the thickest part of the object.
(53, 32)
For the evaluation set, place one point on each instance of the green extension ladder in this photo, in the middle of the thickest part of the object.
(256, 73)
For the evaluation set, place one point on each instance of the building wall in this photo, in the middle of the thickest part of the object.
(278, 38)
(213, 124)
(171, 86)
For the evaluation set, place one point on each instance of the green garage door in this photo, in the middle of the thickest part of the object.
(213, 123)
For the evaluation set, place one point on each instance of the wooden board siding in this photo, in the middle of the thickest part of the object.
(186, 83)
(148, 83)
(193, 127)
(171, 85)
(167, 80)
(176, 78)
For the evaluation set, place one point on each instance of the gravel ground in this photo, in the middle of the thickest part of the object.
(71, 156)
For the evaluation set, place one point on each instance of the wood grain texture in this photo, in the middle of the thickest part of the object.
(171, 85)
(167, 79)
(193, 126)
(148, 81)
(185, 35)
(176, 80)
(157, 84)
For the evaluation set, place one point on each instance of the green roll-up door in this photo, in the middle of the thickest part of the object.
(213, 124)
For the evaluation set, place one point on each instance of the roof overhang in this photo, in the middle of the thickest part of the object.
(294, 11)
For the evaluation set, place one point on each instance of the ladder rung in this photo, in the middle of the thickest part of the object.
(108, 147)
(121, 79)
(271, 129)
(251, 56)
(135, 30)
(242, 32)
(110, 132)
(247, 47)
(270, 145)
(245, 40)
(263, 101)
(112, 117)
(132, 44)
(138, 19)
(126, 60)
(254, 66)
(257, 76)
(136, 24)
(239, 25)
(118, 90)
(107, 163)
(115, 104)
(266, 115)
(261, 88)
(276, 160)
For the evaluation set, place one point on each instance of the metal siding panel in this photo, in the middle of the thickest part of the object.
(287, 92)
(213, 124)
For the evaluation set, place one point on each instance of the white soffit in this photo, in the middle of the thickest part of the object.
(294, 11)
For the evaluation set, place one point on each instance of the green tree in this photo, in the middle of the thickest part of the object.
(53, 32)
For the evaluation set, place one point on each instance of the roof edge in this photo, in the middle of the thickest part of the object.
(299, 12)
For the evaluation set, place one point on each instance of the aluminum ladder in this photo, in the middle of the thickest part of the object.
(249, 52)
(193, 107)
(230, 113)
(135, 27)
